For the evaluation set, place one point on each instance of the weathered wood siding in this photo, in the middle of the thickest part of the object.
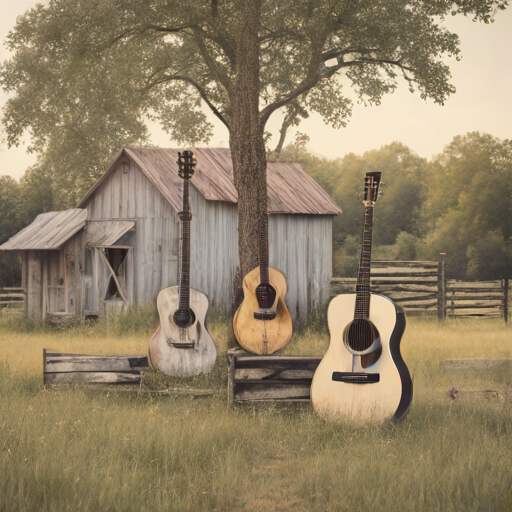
(213, 248)
(33, 285)
(301, 246)
(128, 194)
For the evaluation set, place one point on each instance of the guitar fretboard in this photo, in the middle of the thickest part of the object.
(362, 309)
(263, 248)
(185, 216)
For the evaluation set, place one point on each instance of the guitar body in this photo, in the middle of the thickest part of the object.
(376, 401)
(251, 332)
(178, 361)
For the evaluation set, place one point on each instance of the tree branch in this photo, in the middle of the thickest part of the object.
(199, 89)
(217, 70)
(308, 83)
(326, 72)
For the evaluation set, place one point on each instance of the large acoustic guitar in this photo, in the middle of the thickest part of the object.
(363, 376)
(262, 323)
(182, 346)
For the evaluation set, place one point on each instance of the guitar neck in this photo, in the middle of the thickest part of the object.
(263, 249)
(186, 217)
(362, 309)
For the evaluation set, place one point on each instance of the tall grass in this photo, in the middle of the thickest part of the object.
(76, 449)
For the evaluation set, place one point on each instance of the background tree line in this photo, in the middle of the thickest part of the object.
(458, 203)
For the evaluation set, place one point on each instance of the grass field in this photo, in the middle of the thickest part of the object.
(72, 449)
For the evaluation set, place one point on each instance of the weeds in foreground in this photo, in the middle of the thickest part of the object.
(75, 449)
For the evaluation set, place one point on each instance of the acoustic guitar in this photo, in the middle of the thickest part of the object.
(262, 323)
(182, 346)
(363, 376)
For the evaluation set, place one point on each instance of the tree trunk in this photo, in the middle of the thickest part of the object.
(247, 144)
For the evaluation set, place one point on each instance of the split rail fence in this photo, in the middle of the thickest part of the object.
(420, 287)
(12, 298)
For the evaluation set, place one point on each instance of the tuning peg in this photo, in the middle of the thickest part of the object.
(382, 183)
(381, 193)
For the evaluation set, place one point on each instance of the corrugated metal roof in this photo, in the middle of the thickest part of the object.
(290, 188)
(48, 231)
(106, 233)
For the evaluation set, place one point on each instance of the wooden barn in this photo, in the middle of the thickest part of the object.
(121, 245)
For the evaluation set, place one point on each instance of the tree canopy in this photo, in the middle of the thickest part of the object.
(85, 75)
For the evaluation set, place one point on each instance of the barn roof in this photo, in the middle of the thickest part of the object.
(290, 188)
(48, 231)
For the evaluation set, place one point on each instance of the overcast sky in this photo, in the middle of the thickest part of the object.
(483, 101)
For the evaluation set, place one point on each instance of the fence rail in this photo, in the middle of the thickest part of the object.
(11, 297)
(421, 287)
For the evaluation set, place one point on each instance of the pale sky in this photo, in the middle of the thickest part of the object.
(483, 102)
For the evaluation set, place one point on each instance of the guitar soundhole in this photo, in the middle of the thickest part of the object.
(360, 334)
(266, 295)
(184, 318)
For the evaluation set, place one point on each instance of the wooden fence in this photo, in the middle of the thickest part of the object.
(420, 287)
(485, 298)
(12, 298)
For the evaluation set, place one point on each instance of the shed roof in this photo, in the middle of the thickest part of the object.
(290, 188)
(48, 231)
(106, 233)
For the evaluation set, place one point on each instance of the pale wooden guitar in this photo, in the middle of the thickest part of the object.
(363, 376)
(262, 323)
(182, 346)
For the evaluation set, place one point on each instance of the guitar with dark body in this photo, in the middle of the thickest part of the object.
(182, 346)
(363, 376)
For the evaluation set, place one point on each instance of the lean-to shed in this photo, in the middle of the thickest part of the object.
(121, 245)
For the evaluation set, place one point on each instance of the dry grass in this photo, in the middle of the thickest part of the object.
(79, 450)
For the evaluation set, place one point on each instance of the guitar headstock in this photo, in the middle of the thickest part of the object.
(371, 188)
(186, 163)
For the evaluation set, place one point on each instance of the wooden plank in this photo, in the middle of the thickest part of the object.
(403, 289)
(261, 373)
(474, 306)
(477, 298)
(473, 290)
(417, 298)
(395, 282)
(279, 362)
(397, 263)
(403, 275)
(95, 364)
(92, 378)
(489, 285)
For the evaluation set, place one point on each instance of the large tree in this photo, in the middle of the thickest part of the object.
(81, 63)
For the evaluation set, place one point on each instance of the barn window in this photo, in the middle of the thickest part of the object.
(117, 261)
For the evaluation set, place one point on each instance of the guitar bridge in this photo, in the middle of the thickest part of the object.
(177, 344)
(356, 377)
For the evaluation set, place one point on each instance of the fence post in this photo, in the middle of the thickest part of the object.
(441, 288)
(505, 284)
